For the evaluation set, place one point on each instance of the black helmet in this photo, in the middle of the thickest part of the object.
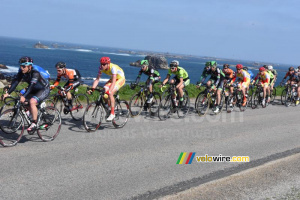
(60, 65)
(245, 68)
(291, 69)
(225, 66)
(25, 59)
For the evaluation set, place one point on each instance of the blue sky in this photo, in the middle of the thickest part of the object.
(258, 30)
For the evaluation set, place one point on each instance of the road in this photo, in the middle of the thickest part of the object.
(139, 160)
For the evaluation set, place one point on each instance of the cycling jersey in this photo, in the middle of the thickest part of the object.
(151, 72)
(180, 73)
(42, 71)
(229, 73)
(271, 74)
(264, 77)
(72, 75)
(35, 80)
(216, 75)
(292, 77)
(112, 70)
(244, 76)
(251, 74)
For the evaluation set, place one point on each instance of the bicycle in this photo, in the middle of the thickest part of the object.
(284, 92)
(168, 105)
(236, 100)
(291, 95)
(258, 97)
(207, 99)
(78, 102)
(12, 122)
(139, 100)
(95, 112)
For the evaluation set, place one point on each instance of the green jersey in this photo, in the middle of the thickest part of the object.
(180, 73)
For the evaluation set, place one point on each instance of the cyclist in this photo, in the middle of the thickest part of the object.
(293, 79)
(264, 78)
(243, 81)
(181, 80)
(229, 75)
(153, 77)
(37, 90)
(273, 78)
(217, 78)
(74, 78)
(249, 72)
(116, 81)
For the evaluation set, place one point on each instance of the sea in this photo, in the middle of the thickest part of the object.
(85, 58)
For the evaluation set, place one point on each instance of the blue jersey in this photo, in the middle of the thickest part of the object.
(251, 74)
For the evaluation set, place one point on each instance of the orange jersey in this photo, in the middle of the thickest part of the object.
(71, 75)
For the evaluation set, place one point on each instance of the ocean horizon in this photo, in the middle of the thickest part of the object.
(85, 58)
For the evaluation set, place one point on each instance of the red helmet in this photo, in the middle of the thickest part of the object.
(261, 69)
(239, 66)
(105, 60)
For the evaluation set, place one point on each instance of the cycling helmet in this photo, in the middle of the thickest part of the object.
(60, 65)
(174, 63)
(270, 67)
(291, 69)
(239, 66)
(213, 63)
(245, 68)
(265, 66)
(261, 69)
(144, 62)
(225, 66)
(207, 64)
(298, 67)
(25, 60)
(105, 60)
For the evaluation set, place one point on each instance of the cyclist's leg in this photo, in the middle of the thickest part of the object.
(119, 83)
(174, 81)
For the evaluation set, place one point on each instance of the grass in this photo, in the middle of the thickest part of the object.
(126, 92)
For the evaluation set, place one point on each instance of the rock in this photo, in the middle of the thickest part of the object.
(39, 45)
(1, 85)
(159, 62)
(3, 66)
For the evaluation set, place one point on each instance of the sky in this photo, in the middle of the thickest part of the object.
(256, 30)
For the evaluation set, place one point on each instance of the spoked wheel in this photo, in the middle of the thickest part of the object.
(256, 100)
(283, 94)
(229, 106)
(49, 124)
(202, 105)
(79, 102)
(196, 101)
(136, 105)
(242, 106)
(12, 128)
(288, 99)
(164, 109)
(154, 105)
(273, 95)
(55, 101)
(121, 114)
(184, 106)
(93, 116)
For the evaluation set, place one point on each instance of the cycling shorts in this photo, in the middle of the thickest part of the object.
(39, 95)
(186, 81)
(119, 83)
(244, 84)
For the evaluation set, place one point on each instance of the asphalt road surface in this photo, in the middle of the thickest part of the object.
(139, 160)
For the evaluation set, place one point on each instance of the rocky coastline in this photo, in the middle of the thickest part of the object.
(158, 62)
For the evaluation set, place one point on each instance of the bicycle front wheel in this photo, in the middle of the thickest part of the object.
(202, 105)
(164, 109)
(273, 95)
(92, 117)
(288, 99)
(154, 105)
(12, 127)
(136, 105)
(283, 94)
(121, 114)
(79, 102)
(49, 123)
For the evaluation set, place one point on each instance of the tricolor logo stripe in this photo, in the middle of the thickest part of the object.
(189, 159)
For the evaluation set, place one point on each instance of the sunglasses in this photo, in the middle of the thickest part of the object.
(172, 68)
(23, 66)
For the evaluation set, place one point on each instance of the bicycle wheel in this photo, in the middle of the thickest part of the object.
(203, 105)
(121, 114)
(49, 123)
(12, 126)
(164, 109)
(242, 108)
(255, 100)
(79, 102)
(92, 117)
(288, 99)
(273, 95)
(55, 101)
(283, 94)
(154, 105)
(184, 108)
(136, 104)
(196, 101)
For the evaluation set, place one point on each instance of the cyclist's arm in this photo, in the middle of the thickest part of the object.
(57, 80)
(151, 77)
(15, 83)
(138, 77)
(203, 77)
(96, 81)
(34, 80)
(166, 79)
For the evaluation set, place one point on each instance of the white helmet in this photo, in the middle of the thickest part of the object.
(270, 67)
(176, 62)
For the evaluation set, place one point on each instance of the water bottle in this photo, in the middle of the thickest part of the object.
(23, 91)
(295, 94)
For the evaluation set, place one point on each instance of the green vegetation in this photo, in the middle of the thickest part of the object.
(126, 92)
